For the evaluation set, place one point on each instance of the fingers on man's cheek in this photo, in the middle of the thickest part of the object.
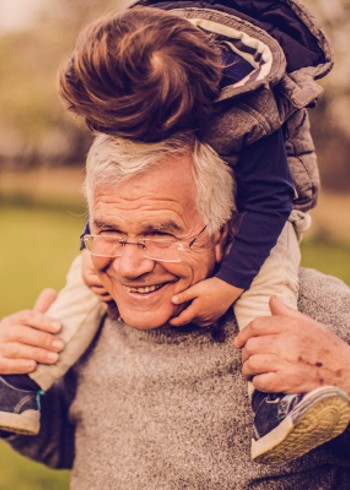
(99, 263)
(183, 318)
(177, 321)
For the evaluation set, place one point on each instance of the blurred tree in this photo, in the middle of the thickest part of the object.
(330, 125)
(34, 128)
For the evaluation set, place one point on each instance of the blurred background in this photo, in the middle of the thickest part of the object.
(42, 151)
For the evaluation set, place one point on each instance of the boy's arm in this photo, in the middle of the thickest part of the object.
(265, 195)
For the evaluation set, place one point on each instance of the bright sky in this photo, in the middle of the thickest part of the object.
(15, 14)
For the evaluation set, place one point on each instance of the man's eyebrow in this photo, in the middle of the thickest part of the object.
(168, 227)
(104, 224)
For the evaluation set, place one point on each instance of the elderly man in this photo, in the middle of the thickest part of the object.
(151, 406)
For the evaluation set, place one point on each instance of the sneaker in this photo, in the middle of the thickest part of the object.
(289, 426)
(19, 409)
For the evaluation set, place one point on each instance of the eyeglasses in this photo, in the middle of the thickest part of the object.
(167, 249)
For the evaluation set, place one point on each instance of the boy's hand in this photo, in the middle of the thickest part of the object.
(210, 299)
(92, 280)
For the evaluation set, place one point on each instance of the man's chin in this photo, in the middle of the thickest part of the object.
(145, 321)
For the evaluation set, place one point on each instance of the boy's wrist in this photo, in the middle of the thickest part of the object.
(228, 290)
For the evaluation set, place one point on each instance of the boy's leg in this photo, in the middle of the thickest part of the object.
(288, 426)
(278, 276)
(80, 312)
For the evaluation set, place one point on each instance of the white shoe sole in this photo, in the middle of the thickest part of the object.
(321, 416)
(27, 422)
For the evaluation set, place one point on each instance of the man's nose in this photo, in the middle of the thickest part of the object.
(132, 263)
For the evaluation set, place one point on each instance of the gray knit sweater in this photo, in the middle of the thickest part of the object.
(168, 409)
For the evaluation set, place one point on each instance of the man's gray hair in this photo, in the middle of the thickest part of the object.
(113, 160)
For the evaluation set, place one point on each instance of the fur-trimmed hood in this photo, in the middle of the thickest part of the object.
(288, 51)
(280, 39)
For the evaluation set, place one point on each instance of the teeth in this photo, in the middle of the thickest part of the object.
(145, 289)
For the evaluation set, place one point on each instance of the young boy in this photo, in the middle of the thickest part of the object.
(241, 78)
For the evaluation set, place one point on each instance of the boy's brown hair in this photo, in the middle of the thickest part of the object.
(143, 74)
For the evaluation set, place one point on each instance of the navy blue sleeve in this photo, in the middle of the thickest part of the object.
(264, 195)
(86, 231)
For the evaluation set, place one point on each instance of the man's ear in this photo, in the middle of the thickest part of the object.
(221, 240)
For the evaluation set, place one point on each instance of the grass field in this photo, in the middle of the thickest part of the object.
(36, 248)
(37, 245)
(328, 257)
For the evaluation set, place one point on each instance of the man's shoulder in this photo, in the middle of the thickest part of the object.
(326, 299)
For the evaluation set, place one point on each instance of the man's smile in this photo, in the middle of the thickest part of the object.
(144, 289)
